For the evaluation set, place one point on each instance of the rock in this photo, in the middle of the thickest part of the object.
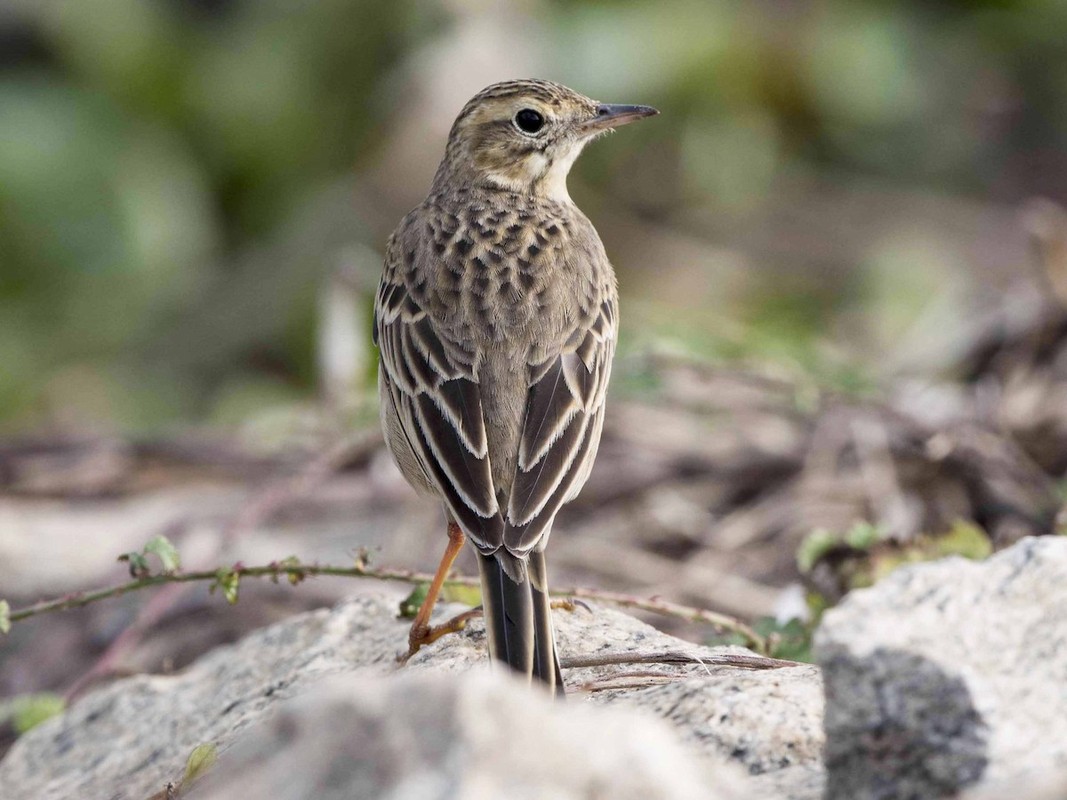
(1049, 785)
(948, 675)
(476, 735)
(765, 719)
(126, 741)
(801, 782)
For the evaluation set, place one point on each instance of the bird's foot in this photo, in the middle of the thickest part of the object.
(421, 635)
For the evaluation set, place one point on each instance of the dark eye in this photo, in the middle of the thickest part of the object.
(529, 121)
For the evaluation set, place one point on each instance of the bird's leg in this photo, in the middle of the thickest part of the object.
(421, 633)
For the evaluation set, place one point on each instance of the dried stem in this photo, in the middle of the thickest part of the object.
(734, 660)
(297, 572)
(658, 605)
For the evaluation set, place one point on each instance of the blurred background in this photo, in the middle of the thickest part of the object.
(178, 178)
(841, 255)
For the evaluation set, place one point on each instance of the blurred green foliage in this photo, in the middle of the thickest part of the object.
(790, 640)
(864, 554)
(176, 176)
(26, 711)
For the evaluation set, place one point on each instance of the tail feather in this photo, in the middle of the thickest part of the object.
(509, 616)
(546, 659)
(518, 620)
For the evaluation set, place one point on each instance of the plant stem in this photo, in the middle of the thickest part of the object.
(297, 572)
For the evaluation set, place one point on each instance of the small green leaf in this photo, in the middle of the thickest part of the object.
(863, 535)
(29, 710)
(964, 539)
(814, 546)
(789, 640)
(410, 605)
(168, 556)
(138, 565)
(227, 581)
(291, 565)
(457, 593)
(200, 761)
(5, 617)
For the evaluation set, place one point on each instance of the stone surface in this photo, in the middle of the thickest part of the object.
(126, 741)
(766, 720)
(801, 782)
(1049, 785)
(948, 675)
(947, 679)
(477, 735)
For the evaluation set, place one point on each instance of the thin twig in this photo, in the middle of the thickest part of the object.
(297, 572)
(658, 605)
(734, 660)
(79, 599)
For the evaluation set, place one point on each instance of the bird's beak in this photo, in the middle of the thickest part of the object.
(612, 116)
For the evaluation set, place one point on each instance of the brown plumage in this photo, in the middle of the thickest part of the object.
(497, 318)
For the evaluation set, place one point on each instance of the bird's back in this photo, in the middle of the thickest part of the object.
(510, 279)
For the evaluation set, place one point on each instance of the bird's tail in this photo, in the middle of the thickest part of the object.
(546, 659)
(518, 620)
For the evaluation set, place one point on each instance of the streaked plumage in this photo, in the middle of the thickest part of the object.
(497, 318)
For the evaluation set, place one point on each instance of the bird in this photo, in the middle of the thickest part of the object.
(496, 320)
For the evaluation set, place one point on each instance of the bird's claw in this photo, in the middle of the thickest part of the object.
(421, 635)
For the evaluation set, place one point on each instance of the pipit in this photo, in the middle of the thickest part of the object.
(497, 317)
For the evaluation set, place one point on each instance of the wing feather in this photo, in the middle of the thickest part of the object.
(468, 474)
(549, 410)
(437, 401)
(561, 431)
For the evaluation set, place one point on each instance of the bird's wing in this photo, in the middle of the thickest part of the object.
(561, 430)
(430, 380)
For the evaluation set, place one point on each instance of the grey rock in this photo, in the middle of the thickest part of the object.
(765, 719)
(800, 782)
(473, 736)
(948, 675)
(126, 741)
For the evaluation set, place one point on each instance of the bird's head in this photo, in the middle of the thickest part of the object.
(524, 136)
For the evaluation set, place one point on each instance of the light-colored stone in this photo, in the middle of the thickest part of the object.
(764, 719)
(1051, 785)
(127, 740)
(948, 675)
(801, 782)
(767, 721)
(477, 736)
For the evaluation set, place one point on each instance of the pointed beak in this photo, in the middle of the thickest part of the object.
(612, 116)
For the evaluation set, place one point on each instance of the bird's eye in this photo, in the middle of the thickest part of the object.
(529, 121)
